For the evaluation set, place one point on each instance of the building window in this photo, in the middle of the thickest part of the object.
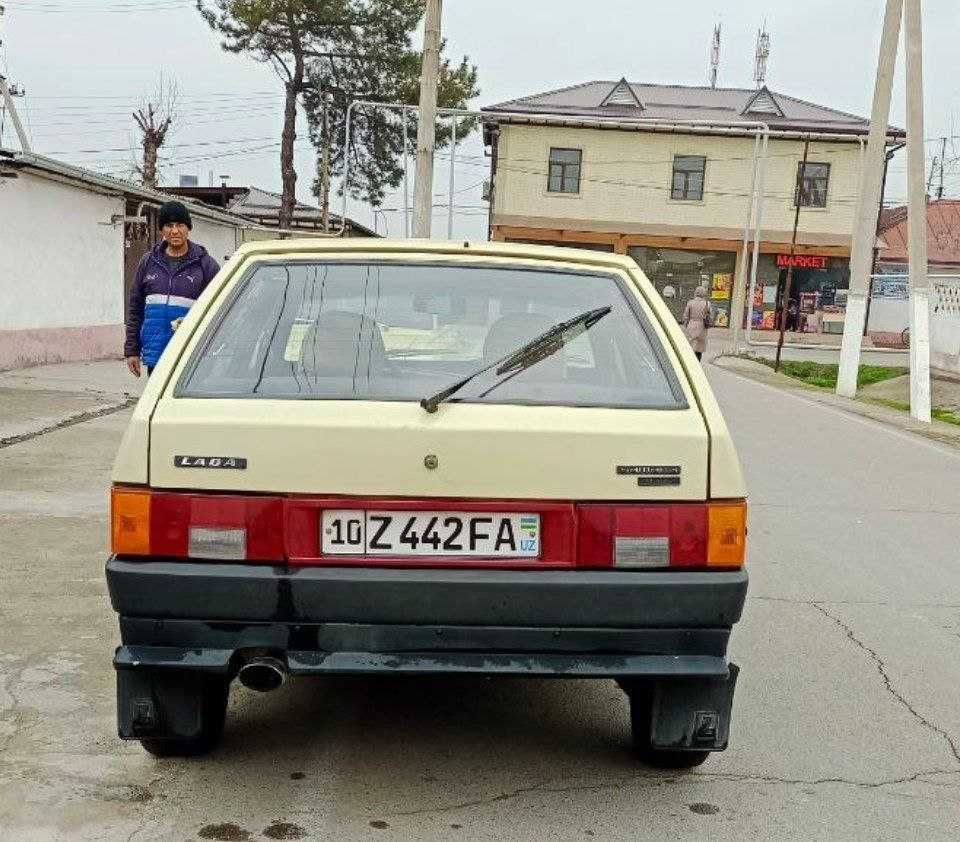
(688, 173)
(564, 174)
(812, 181)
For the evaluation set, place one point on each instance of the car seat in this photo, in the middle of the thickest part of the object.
(342, 345)
(512, 331)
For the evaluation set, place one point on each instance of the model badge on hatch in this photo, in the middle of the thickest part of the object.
(236, 463)
(652, 475)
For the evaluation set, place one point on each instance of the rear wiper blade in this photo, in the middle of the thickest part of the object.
(537, 349)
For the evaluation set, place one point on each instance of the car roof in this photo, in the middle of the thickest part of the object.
(440, 248)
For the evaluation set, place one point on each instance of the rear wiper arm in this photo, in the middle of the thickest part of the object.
(537, 349)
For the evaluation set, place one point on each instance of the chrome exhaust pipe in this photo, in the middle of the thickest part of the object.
(263, 674)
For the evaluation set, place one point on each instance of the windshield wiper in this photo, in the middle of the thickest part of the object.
(537, 349)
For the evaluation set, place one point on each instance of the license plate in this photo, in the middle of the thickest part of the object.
(396, 533)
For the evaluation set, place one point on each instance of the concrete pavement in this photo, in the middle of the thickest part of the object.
(34, 400)
(846, 723)
(865, 405)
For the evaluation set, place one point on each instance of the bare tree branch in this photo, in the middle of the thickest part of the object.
(155, 118)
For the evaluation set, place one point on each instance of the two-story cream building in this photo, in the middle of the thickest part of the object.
(585, 166)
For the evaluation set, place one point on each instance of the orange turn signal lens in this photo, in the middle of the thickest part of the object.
(727, 543)
(130, 521)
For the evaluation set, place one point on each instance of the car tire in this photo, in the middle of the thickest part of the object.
(641, 715)
(216, 693)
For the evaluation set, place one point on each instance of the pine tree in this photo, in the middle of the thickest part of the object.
(376, 140)
(352, 49)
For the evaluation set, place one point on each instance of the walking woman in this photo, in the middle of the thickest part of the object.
(697, 317)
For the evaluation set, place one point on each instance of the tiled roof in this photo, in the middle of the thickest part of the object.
(719, 106)
(943, 233)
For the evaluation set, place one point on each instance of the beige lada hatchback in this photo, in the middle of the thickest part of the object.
(420, 458)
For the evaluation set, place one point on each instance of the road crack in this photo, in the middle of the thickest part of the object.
(79, 418)
(650, 781)
(888, 683)
(544, 787)
(916, 777)
(862, 602)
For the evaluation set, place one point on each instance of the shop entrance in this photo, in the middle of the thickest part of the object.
(676, 274)
(818, 294)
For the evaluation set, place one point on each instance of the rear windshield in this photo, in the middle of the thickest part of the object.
(361, 331)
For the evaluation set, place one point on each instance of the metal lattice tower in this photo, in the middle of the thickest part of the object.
(763, 56)
(715, 56)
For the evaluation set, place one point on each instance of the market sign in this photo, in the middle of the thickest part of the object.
(801, 261)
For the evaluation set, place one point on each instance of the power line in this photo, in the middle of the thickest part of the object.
(139, 94)
(81, 8)
(127, 117)
(123, 107)
(165, 146)
(193, 107)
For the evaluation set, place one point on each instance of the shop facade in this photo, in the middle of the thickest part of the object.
(818, 293)
(663, 173)
(818, 287)
(676, 274)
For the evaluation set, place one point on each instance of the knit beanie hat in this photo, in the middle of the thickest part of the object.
(174, 212)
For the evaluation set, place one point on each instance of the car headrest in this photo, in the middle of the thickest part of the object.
(511, 331)
(340, 343)
(514, 330)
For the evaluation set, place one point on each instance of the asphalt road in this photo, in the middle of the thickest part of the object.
(846, 726)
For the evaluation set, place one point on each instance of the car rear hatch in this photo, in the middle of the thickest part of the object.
(396, 449)
(593, 466)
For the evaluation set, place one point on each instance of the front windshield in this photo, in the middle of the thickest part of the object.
(348, 331)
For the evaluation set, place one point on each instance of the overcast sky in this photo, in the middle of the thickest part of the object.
(85, 63)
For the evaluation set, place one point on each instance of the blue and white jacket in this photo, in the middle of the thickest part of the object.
(159, 296)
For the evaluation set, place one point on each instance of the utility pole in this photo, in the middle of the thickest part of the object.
(865, 230)
(917, 217)
(933, 171)
(943, 159)
(876, 250)
(785, 301)
(12, 109)
(453, 174)
(427, 128)
(323, 165)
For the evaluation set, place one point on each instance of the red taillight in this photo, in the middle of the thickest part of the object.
(219, 526)
(274, 529)
(688, 535)
(641, 536)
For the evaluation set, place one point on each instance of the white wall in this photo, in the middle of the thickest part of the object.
(219, 240)
(61, 260)
(945, 324)
(889, 315)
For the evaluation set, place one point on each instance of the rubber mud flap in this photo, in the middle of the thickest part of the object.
(159, 703)
(692, 713)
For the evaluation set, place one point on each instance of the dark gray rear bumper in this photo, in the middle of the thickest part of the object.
(350, 620)
(565, 599)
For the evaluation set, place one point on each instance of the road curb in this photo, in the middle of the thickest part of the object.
(938, 431)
